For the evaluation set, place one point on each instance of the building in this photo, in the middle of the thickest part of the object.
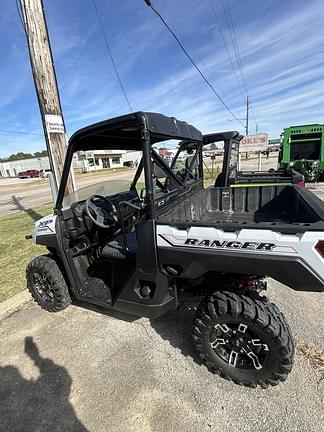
(82, 162)
(98, 159)
(131, 158)
(167, 154)
(13, 167)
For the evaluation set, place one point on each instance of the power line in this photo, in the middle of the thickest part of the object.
(19, 132)
(253, 114)
(236, 49)
(19, 13)
(227, 50)
(110, 54)
(149, 3)
(230, 25)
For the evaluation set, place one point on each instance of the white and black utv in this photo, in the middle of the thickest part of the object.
(145, 252)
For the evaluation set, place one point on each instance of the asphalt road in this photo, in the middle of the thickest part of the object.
(31, 194)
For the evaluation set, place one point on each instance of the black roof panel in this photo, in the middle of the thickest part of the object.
(221, 136)
(125, 132)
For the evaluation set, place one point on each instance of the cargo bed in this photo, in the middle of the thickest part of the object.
(264, 230)
(284, 208)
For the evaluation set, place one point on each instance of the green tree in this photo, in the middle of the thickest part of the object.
(20, 155)
(41, 153)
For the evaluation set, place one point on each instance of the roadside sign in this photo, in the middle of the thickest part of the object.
(54, 124)
(254, 143)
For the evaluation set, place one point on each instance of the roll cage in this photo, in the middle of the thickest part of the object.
(136, 131)
(231, 141)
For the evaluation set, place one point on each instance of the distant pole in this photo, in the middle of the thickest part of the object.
(247, 116)
(259, 161)
(41, 60)
(40, 166)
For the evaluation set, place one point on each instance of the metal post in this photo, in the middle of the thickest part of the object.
(94, 161)
(53, 186)
(259, 161)
(40, 167)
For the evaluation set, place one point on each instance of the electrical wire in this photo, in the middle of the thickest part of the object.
(110, 54)
(149, 3)
(227, 50)
(20, 14)
(236, 49)
(19, 132)
(255, 119)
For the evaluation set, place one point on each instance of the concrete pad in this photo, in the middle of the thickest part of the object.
(14, 303)
(81, 370)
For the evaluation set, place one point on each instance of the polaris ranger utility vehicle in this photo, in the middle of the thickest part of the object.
(142, 248)
(230, 174)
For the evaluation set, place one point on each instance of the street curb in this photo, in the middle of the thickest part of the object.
(13, 304)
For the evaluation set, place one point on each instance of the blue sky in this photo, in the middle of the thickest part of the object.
(281, 45)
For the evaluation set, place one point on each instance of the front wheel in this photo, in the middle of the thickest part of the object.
(47, 284)
(244, 339)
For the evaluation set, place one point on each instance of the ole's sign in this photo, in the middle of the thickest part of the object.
(254, 143)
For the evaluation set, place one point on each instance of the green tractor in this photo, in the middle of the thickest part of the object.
(302, 149)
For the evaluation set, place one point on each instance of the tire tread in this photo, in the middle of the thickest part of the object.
(47, 265)
(263, 314)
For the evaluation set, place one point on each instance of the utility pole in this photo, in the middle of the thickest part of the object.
(247, 116)
(33, 17)
(246, 127)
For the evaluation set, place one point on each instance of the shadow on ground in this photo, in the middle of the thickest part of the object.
(176, 327)
(37, 405)
(32, 213)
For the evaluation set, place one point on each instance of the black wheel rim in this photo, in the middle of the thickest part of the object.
(43, 287)
(239, 346)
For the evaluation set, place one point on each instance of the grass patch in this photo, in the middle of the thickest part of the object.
(211, 175)
(104, 171)
(314, 355)
(16, 251)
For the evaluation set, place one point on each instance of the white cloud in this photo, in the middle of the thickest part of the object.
(281, 53)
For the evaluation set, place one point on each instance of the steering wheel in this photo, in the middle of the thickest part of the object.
(103, 215)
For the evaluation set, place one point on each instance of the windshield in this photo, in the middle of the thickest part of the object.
(182, 157)
(186, 164)
(105, 188)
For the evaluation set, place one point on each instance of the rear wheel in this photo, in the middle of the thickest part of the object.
(244, 339)
(47, 285)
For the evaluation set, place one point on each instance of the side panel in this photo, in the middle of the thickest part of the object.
(44, 232)
(288, 258)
